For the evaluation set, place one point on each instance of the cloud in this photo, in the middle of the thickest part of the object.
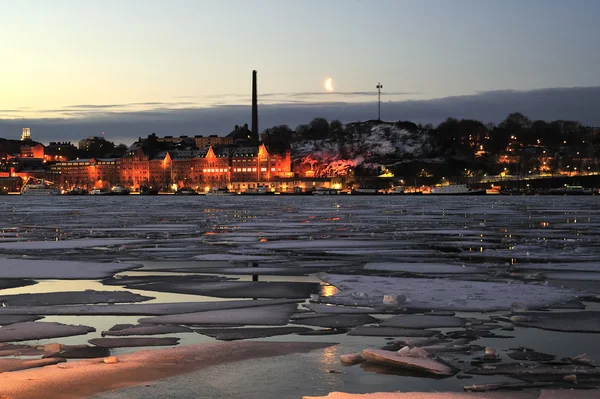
(127, 124)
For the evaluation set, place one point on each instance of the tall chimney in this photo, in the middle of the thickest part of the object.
(254, 107)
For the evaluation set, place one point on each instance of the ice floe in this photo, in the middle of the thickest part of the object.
(133, 342)
(232, 334)
(276, 315)
(422, 268)
(442, 293)
(40, 330)
(127, 330)
(55, 269)
(66, 244)
(72, 298)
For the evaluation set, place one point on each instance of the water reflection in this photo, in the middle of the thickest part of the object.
(328, 290)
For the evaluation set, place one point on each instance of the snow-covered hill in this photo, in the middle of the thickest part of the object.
(366, 144)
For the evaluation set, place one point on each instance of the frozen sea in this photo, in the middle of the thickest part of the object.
(474, 257)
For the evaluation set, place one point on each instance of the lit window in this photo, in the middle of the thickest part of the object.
(263, 169)
(254, 169)
(272, 169)
(243, 169)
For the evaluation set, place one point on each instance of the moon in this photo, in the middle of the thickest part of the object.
(329, 84)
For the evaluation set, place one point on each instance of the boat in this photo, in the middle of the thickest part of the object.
(186, 191)
(98, 191)
(148, 191)
(456, 189)
(326, 191)
(396, 190)
(365, 191)
(220, 191)
(38, 187)
(571, 190)
(119, 190)
(260, 190)
(77, 191)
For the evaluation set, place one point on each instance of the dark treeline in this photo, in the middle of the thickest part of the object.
(470, 148)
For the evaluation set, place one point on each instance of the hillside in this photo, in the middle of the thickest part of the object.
(370, 145)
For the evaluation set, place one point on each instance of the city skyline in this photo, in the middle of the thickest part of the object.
(130, 64)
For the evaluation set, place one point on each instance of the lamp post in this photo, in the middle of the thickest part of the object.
(379, 87)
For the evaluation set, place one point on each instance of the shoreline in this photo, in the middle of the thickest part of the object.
(85, 378)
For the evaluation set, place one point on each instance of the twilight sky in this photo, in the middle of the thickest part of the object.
(90, 64)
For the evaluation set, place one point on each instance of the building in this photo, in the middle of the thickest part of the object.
(85, 173)
(32, 151)
(60, 151)
(26, 134)
(199, 140)
(90, 143)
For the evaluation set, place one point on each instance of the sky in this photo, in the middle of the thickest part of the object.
(98, 65)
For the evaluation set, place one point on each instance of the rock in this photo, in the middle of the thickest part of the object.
(351, 359)
(111, 360)
(428, 366)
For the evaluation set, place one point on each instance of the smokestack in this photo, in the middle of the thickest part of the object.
(254, 107)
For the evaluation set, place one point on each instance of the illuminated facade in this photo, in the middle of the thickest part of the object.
(32, 151)
(86, 173)
(202, 169)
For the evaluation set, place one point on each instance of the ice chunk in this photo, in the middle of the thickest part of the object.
(423, 321)
(55, 269)
(585, 322)
(66, 244)
(232, 334)
(422, 268)
(424, 365)
(40, 330)
(144, 309)
(133, 342)
(338, 320)
(391, 332)
(72, 298)
(236, 289)
(264, 315)
(145, 330)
